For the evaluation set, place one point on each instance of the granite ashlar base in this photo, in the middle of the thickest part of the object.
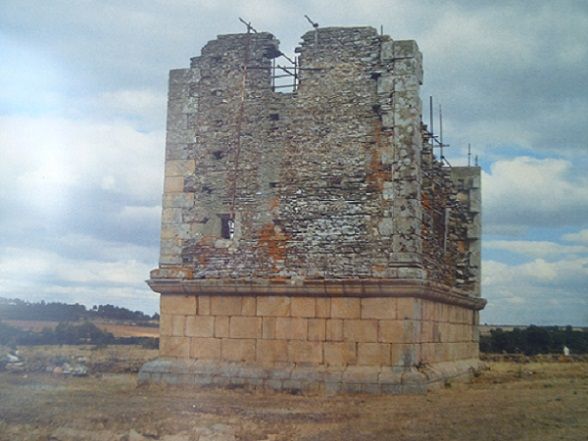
(302, 379)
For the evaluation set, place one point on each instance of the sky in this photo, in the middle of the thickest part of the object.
(83, 89)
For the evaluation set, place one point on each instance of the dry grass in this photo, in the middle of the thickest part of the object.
(535, 401)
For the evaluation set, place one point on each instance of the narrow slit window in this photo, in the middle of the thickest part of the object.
(227, 226)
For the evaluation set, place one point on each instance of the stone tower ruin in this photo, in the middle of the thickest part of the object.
(310, 240)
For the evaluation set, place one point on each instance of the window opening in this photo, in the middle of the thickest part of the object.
(227, 226)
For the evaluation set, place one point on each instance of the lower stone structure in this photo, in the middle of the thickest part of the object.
(333, 343)
(294, 379)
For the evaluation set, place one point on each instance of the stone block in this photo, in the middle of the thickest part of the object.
(428, 353)
(165, 324)
(248, 305)
(178, 148)
(173, 184)
(405, 355)
(238, 349)
(203, 305)
(378, 308)
(387, 51)
(323, 307)
(205, 348)
(444, 332)
(180, 167)
(408, 308)
(288, 328)
(317, 329)
(221, 326)
(453, 314)
(272, 351)
(174, 304)
(171, 216)
(165, 258)
(346, 307)
(175, 231)
(176, 347)
(391, 331)
(178, 200)
(225, 305)
(180, 76)
(340, 354)
(178, 324)
(305, 352)
(373, 354)
(361, 375)
(245, 327)
(273, 306)
(360, 330)
(303, 307)
(334, 330)
(199, 326)
(441, 352)
(428, 310)
(268, 328)
(426, 332)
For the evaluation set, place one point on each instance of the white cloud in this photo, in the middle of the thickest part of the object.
(579, 237)
(145, 106)
(535, 249)
(54, 155)
(86, 247)
(42, 265)
(88, 281)
(538, 291)
(528, 192)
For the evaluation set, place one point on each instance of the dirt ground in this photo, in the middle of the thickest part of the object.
(534, 401)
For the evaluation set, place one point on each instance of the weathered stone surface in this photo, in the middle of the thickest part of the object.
(174, 347)
(340, 354)
(245, 327)
(373, 354)
(320, 238)
(360, 330)
(334, 330)
(238, 349)
(170, 304)
(305, 352)
(225, 305)
(346, 307)
(303, 307)
(199, 326)
(273, 306)
(379, 308)
(205, 348)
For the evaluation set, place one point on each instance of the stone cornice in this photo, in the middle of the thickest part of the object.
(320, 288)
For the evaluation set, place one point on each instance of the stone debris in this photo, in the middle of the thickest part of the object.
(77, 370)
(13, 362)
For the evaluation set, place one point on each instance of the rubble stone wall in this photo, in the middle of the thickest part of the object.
(328, 178)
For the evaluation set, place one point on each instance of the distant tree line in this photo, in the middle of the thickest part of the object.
(535, 340)
(66, 333)
(16, 309)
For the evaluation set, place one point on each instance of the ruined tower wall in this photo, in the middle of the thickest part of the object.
(327, 184)
(339, 261)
